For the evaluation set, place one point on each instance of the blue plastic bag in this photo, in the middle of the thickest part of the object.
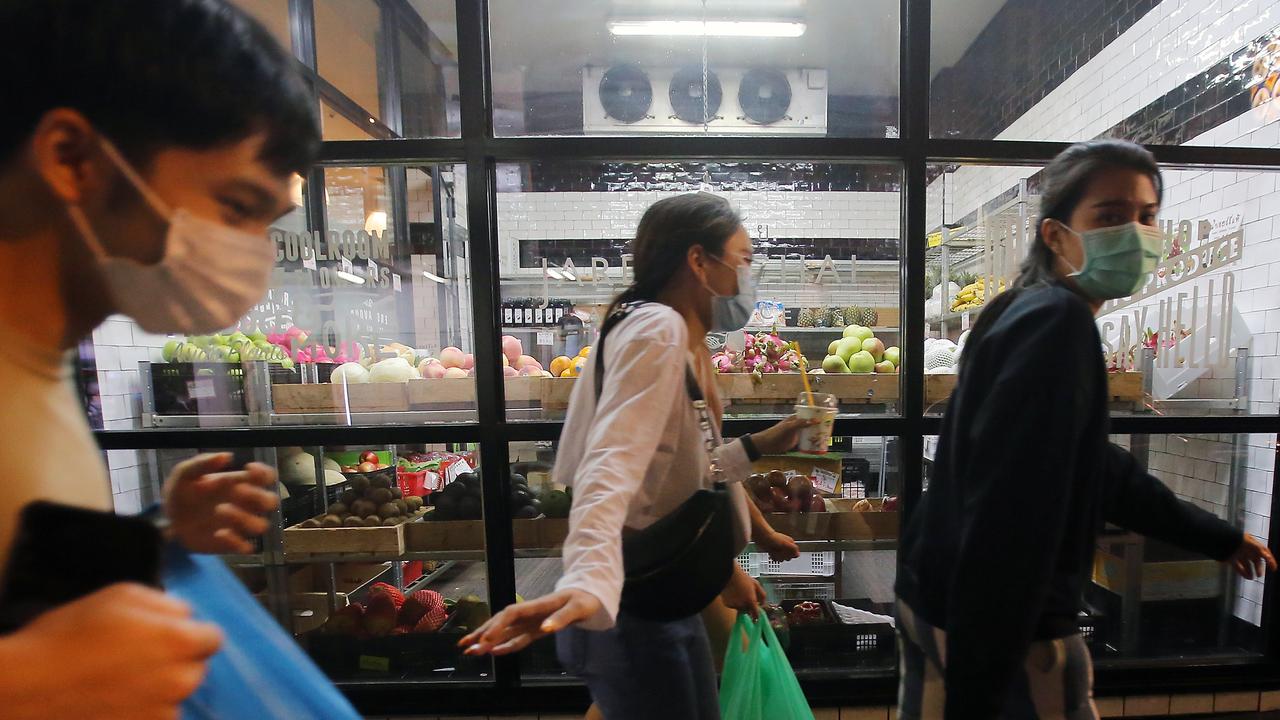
(260, 672)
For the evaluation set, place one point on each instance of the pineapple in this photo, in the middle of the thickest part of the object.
(808, 317)
(835, 317)
(859, 315)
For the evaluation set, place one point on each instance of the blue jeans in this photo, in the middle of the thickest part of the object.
(644, 669)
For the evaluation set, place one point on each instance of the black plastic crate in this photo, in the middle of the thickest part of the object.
(832, 643)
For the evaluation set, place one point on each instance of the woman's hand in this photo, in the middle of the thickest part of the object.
(518, 625)
(217, 512)
(781, 437)
(743, 593)
(779, 546)
(1251, 557)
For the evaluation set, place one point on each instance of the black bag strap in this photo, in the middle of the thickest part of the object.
(622, 312)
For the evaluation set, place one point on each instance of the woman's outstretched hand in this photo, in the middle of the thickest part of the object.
(518, 625)
(1250, 559)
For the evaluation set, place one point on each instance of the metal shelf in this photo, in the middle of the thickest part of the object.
(833, 330)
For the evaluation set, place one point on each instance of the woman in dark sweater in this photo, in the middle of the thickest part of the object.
(996, 557)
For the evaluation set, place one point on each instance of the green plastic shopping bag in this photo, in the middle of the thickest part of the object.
(758, 682)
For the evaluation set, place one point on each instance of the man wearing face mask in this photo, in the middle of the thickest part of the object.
(634, 449)
(140, 165)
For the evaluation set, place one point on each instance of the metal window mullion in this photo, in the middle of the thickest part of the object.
(477, 124)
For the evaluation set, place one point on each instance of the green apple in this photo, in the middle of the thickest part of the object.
(861, 362)
(893, 355)
(258, 335)
(847, 347)
(170, 348)
(875, 347)
(831, 349)
(220, 339)
(834, 364)
(858, 331)
(885, 366)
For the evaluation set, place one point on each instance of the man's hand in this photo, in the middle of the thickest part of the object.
(780, 547)
(1251, 558)
(743, 593)
(518, 625)
(782, 436)
(126, 652)
(217, 512)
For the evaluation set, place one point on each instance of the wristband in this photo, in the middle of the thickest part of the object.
(753, 453)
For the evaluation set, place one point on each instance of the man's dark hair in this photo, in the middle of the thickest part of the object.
(154, 73)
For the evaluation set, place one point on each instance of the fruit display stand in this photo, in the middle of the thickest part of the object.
(309, 597)
(302, 544)
(1122, 387)
(543, 533)
(784, 388)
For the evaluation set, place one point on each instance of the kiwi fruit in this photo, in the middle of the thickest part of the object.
(338, 509)
(359, 483)
(388, 510)
(396, 494)
(380, 496)
(364, 508)
(402, 505)
(379, 482)
(331, 521)
(348, 497)
(373, 520)
(310, 523)
(414, 502)
(353, 521)
(391, 521)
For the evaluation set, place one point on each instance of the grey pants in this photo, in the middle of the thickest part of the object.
(1056, 682)
(644, 669)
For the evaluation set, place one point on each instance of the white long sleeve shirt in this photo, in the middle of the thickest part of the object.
(635, 456)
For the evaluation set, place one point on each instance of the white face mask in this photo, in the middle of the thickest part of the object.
(209, 276)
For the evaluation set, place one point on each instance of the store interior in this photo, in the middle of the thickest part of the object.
(439, 287)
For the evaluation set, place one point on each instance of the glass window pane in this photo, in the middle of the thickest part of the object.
(826, 258)
(273, 14)
(384, 289)
(1172, 602)
(624, 68)
(848, 560)
(1199, 339)
(380, 84)
(1162, 73)
(341, 546)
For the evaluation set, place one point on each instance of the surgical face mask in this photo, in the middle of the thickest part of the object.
(1117, 260)
(208, 277)
(732, 312)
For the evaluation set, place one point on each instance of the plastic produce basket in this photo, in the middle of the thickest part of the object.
(211, 388)
(804, 591)
(809, 564)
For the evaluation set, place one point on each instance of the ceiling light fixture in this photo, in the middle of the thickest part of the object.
(709, 28)
(349, 277)
(434, 277)
(556, 274)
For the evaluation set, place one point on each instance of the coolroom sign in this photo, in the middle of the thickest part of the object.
(1186, 310)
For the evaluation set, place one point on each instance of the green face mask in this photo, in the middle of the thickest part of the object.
(1117, 260)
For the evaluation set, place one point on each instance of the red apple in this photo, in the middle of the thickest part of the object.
(366, 467)
(369, 456)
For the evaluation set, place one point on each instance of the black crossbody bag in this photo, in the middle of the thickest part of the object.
(678, 565)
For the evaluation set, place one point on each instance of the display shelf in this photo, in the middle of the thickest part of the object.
(831, 330)
(1121, 386)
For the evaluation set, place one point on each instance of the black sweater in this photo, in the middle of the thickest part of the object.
(1000, 549)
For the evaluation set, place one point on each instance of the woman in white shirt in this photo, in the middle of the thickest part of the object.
(635, 454)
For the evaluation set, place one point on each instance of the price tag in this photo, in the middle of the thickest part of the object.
(825, 480)
(347, 267)
(309, 262)
(545, 338)
(395, 282)
(373, 268)
(455, 469)
(964, 321)
(375, 663)
(201, 389)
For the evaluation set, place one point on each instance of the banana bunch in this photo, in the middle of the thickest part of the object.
(973, 295)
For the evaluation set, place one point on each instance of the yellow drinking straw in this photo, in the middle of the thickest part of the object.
(804, 377)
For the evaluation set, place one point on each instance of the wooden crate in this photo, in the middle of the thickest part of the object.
(536, 533)
(339, 397)
(1170, 580)
(785, 388)
(839, 525)
(309, 591)
(376, 541)
(442, 391)
(1121, 387)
